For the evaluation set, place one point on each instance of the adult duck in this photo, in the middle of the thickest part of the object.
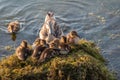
(50, 28)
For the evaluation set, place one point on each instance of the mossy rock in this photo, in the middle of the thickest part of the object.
(83, 63)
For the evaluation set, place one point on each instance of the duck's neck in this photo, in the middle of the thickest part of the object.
(48, 18)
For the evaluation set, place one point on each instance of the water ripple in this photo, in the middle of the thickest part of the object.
(95, 20)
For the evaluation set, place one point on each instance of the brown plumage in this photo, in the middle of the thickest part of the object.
(13, 27)
(40, 46)
(37, 51)
(63, 46)
(56, 42)
(23, 51)
(49, 52)
(38, 42)
(63, 39)
(73, 37)
(50, 29)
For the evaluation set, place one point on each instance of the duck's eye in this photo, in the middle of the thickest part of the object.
(48, 13)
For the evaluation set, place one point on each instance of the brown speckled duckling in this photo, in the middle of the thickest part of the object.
(73, 37)
(63, 46)
(49, 52)
(39, 49)
(13, 27)
(23, 51)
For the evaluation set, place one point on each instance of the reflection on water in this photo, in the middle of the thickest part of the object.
(96, 20)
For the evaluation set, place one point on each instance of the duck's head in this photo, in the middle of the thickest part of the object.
(50, 13)
(49, 16)
(36, 42)
(63, 39)
(43, 42)
(74, 34)
(56, 41)
(24, 44)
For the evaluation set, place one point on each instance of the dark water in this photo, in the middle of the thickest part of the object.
(96, 20)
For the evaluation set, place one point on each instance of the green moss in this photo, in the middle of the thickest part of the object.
(83, 63)
(88, 48)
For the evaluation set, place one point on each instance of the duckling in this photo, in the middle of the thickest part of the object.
(73, 37)
(13, 27)
(38, 42)
(23, 51)
(63, 46)
(49, 52)
(56, 41)
(43, 43)
(63, 39)
(39, 49)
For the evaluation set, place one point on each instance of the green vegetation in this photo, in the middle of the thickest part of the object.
(83, 63)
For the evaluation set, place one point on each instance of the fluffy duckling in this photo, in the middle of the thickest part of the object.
(49, 52)
(63, 46)
(56, 41)
(23, 51)
(38, 42)
(13, 27)
(39, 49)
(73, 37)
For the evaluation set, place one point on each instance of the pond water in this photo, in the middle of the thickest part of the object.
(95, 20)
